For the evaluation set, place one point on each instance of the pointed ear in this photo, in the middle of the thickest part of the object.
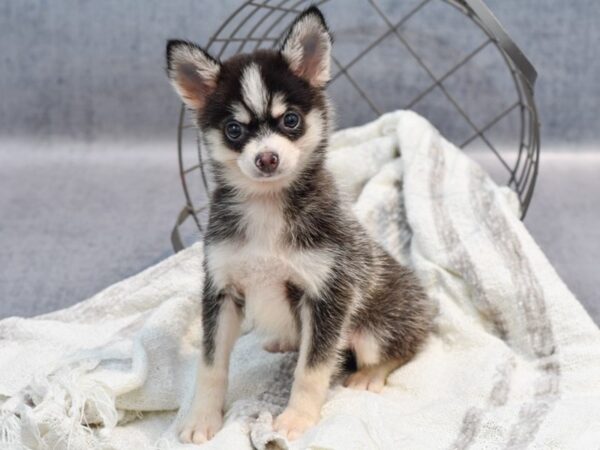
(307, 48)
(192, 71)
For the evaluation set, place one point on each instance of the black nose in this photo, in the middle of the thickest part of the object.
(267, 162)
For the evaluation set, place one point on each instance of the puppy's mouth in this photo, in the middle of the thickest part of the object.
(268, 177)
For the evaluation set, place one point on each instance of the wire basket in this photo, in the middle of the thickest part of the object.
(449, 60)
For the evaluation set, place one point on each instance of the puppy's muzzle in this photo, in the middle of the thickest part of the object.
(267, 162)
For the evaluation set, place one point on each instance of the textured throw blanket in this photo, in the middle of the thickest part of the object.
(514, 361)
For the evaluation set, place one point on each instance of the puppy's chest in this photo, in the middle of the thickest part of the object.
(263, 261)
(249, 269)
(260, 257)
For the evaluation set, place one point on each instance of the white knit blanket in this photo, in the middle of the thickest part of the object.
(514, 361)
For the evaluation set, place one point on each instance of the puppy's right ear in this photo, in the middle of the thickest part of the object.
(192, 71)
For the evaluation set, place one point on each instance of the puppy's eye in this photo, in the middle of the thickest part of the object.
(234, 130)
(291, 120)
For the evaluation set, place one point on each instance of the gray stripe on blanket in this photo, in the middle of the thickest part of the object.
(461, 261)
(530, 296)
(474, 416)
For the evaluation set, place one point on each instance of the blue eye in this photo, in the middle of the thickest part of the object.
(291, 120)
(234, 130)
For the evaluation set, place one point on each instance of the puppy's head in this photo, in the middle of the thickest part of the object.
(264, 116)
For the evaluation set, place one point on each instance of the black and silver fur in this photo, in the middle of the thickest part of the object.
(282, 249)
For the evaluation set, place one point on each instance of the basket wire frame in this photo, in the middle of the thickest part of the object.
(270, 15)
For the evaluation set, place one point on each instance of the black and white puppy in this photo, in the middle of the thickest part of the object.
(281, 249)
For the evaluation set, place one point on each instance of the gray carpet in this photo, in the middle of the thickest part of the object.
(565, 221)
(77, 218)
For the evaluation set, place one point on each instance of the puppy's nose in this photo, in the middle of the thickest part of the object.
(267, 162)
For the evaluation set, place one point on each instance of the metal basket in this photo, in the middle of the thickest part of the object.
(471, 51)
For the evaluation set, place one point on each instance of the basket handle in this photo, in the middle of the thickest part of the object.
(508, 46)
(176, 241)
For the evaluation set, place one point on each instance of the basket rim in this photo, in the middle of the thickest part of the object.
(521, 69)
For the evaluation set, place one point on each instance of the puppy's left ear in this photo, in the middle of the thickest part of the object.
(307, 48)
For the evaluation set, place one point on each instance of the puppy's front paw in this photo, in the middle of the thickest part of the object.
(200, 426)
(292, 423)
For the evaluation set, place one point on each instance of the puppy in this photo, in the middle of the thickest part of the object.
(281, 248)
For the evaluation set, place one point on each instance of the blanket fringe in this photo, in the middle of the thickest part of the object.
(10, 435)
(61, 410)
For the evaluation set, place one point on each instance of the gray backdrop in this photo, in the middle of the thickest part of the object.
(88, 69)
(88, 173)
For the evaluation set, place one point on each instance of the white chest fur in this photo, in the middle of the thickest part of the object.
(260, 266)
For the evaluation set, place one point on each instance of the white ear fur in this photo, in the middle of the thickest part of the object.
(307, 48)
(192, 71)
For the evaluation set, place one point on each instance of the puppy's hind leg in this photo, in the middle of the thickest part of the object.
(373, 369)
(372, 378)
(276, 345)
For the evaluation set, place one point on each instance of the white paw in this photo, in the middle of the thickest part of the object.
(278, 346)
(200, 426)
(292, 424)
(367, 379)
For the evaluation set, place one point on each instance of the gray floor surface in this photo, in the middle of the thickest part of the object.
(77, 217)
